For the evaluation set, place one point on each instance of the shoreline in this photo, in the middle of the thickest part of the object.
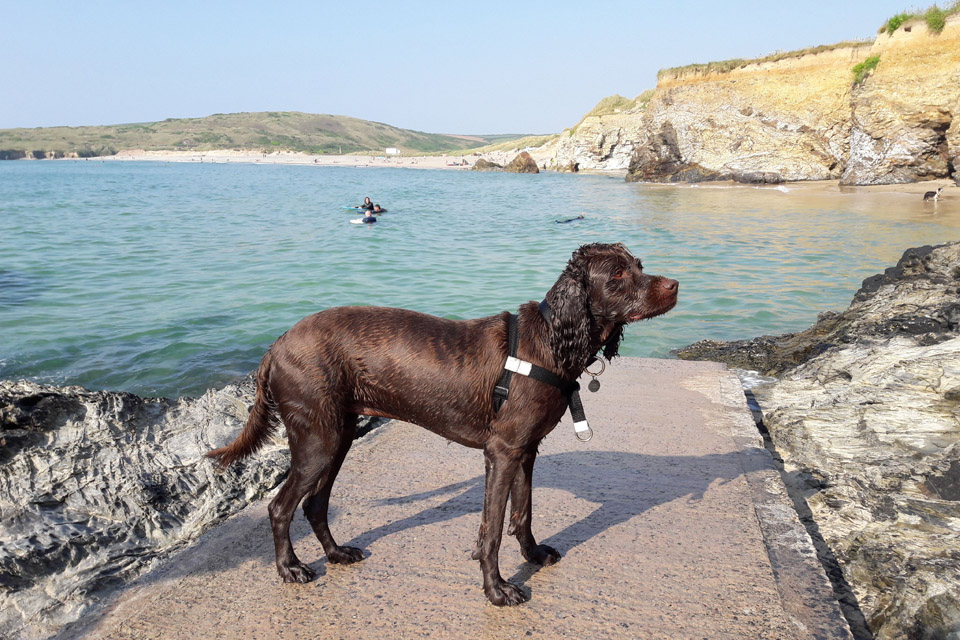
(454, 162)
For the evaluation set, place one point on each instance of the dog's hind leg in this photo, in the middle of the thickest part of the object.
(521, 510)
(281, 510)
(316, 505)
(502, 465)
(311, 448)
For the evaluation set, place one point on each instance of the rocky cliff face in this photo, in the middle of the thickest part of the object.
(867, 411)
(906, 114)
(96, 486)
(797, 118)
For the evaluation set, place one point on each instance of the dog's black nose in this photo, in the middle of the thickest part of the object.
(669, 285)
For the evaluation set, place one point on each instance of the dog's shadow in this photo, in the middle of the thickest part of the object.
(622, 485)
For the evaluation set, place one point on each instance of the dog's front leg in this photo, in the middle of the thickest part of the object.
(521, 510)
(502, 465)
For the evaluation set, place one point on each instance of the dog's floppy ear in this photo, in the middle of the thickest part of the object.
(611, 348)
(570, 320)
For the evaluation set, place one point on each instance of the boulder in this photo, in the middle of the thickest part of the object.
(523, 163)
(96, 486)
(483, 164)
(866, 415)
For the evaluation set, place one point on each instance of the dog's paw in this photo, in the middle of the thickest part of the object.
(297, 572)
(506, 594)
(345, 555)
(542, 554)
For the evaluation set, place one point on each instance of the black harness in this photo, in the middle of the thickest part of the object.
(514, 365)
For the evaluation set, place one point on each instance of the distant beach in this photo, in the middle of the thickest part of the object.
(450, 161)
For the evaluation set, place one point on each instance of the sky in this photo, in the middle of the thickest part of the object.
(443, 67)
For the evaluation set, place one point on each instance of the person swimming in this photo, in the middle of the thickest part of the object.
(369, 218)
(579, 217)
(377, 209)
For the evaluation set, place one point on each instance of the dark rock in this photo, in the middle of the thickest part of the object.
(868, 405)
(925, 306)
(660, 160)
(95, 486)
(523, 163)
(757, 177)
(486, 165)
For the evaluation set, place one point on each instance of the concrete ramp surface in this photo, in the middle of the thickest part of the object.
(672, 521)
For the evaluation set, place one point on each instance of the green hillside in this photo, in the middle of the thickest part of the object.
(266, 131)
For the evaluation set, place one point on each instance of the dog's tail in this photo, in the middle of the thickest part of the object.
(262, 421)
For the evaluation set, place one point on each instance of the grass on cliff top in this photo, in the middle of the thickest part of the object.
(265, 131)
(615, 104)
(935, 17)
(725, 66)
(517, 144)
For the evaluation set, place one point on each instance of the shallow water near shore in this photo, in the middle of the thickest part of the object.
(168, 279)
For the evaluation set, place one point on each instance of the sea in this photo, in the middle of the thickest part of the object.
(168, 279)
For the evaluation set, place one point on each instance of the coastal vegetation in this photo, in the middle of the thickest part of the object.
(724, 66)
(616, 104)
(935, 17)
(264, 131)
(862, 70)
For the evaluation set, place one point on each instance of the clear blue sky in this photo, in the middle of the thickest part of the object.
(455, 66)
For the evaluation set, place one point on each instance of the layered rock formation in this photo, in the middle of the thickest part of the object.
(522, 163)
(906, 114)
(867, 411)
(96, 486)
(796, 117)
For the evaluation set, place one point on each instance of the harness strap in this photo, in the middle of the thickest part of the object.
(502, 391)
(515, 365)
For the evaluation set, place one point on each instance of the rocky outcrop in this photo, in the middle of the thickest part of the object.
(96, 486)
(906, 114)
(523, 163)
(792, 117)
(599, 143)
(867, 411)
(483, 164)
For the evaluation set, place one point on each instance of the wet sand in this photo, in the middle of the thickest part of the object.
(672, 521)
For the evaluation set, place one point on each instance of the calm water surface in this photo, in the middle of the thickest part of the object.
(168, 279)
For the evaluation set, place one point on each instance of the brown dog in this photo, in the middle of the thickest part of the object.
(440, 374)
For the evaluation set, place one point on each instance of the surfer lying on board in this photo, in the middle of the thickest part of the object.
(367, 204)
(377, 209)
(579, 217)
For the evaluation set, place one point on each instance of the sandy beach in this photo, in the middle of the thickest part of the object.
(451, 161)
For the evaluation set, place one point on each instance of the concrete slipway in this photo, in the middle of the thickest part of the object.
(673, 523)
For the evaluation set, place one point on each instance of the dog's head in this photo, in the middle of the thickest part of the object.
(602, 289)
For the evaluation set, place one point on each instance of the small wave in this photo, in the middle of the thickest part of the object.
(779, 187)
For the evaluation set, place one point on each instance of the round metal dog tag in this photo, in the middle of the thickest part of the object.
(594, 385)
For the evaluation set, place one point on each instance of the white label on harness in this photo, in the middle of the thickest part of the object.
(581, 426)
(518, 366)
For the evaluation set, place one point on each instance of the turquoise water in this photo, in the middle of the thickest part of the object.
(168, 279)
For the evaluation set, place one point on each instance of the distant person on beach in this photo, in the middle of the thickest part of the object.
(367, 204)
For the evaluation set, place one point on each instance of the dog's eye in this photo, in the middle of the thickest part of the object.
(620, 274)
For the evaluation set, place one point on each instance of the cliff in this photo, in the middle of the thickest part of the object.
(792, 116)
(866, 415)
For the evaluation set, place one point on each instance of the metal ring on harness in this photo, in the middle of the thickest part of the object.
(603, 367)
